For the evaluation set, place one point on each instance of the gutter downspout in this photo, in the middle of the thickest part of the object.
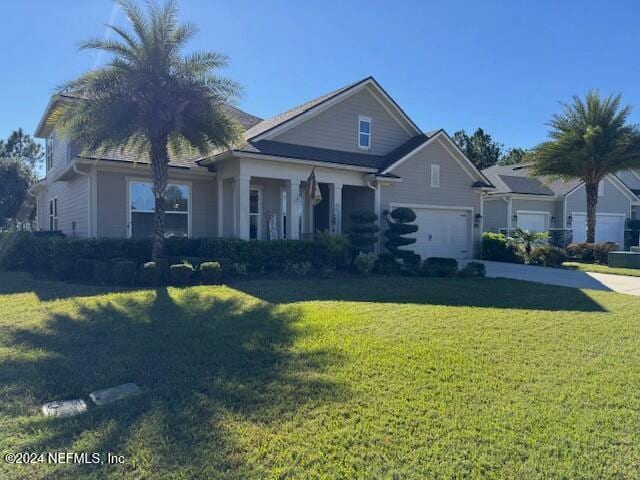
(90, 196)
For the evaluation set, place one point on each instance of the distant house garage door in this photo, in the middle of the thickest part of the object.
(609, 228)
(532, 221)
(443, 233)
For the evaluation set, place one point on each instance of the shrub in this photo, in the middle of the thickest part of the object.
(365, 262)
(181, 273)
(210, 272)
(124, 272)
(363, 232)
(496, 247)
(84, 269)
(101, 272)
(400, 224)
(473, 269)
(301, 269)
(440, 267)
(64, 269)
(387, 265)
(150, 274)
(547, 255)
(591, 252)
(330, 250)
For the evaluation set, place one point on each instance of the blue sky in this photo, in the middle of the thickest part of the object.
(502, 66)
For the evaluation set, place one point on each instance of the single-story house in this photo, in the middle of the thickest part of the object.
(542, 204)
(363, 148)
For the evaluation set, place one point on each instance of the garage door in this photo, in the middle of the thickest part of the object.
(534, 222)
(443, 233)
(609, 228)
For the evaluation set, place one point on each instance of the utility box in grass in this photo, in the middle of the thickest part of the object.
(624, 259)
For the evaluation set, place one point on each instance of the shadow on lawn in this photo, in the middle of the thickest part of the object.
(459, 292)
(202, 358)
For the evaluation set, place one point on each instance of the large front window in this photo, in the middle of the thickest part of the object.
(255, 207)
(142, 208)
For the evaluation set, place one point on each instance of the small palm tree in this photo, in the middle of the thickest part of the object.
(590, 139)
(526, 240)
(151, 99)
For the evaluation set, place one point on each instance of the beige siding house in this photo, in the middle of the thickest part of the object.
(542, 204)
(364, 150)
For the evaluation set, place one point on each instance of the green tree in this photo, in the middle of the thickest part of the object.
(400, 223)
(16, 205)
(151, 98)
(589, 139)
(22, 147)
(513, 156)
(363, 231)
(480, 148)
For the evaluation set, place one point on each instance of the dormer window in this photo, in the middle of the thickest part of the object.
(364, 132)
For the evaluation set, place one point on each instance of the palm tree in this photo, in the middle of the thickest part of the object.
(150, 98)
(590, 139)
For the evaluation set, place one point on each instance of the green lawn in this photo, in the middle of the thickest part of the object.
(358, 378)
(591, 267)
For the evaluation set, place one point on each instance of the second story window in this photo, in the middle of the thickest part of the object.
(364, 132)
(49, 152)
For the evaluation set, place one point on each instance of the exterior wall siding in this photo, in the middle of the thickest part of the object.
(495, 215)
(535, 206)
(455, 184)
(613, 201)
(337, 127)
(73, 206)
(112, 216)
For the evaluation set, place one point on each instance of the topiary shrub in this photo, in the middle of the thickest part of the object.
(181, 273)
(124, 273)
(496, 247)
(387, 265)
(365, 262)
(548, 256)
(64, 269)
(399, 223)
(210, 273)
(473, 269)
(440, 267)
(363, 231)
(150, 274)
(84, 269)
(102, 272)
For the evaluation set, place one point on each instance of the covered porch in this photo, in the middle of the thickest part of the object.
(262, 205)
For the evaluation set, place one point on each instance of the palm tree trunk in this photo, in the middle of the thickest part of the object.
(592, 204)
(160, 170)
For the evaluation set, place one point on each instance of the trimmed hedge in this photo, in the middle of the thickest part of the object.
(124, 273)
(591, 252)
(496, 247)
(181, 273)
(473, 269)
(440, 267)
(210, 273)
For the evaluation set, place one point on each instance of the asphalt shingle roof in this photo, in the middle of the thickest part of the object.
(517, 179)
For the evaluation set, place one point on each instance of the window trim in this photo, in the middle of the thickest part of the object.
(259, 189)
(53, 214)
(362, 118)
(601, 188)
(49, 153)
(435, 175)
(178, 183)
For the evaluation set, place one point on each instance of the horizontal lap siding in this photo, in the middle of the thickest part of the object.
(337, 127)
(495, 215)
(112, 204)
(73, 205)
(613, 201)
(455, 184)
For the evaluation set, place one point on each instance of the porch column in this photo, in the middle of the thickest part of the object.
(335, 195)
(241, 191)
(293, 191)
(220, 207)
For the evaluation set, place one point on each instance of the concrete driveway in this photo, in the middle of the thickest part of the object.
(564, 278)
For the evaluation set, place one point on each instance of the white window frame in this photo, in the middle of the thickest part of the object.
(361, 119)
(49, 152)
(257, 188)
(53, 214)
(601, 188)
(435, 175)
(180, 183)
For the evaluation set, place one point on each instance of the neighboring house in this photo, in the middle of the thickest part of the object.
(366, 152)
(543, 204)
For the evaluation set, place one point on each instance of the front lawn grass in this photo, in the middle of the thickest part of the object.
(593, 267)
(360, 378)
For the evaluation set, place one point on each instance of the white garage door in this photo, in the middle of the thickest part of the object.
(443, 233)
(534, 222)
(609, 228)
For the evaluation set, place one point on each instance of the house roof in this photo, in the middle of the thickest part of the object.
(516, 179)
